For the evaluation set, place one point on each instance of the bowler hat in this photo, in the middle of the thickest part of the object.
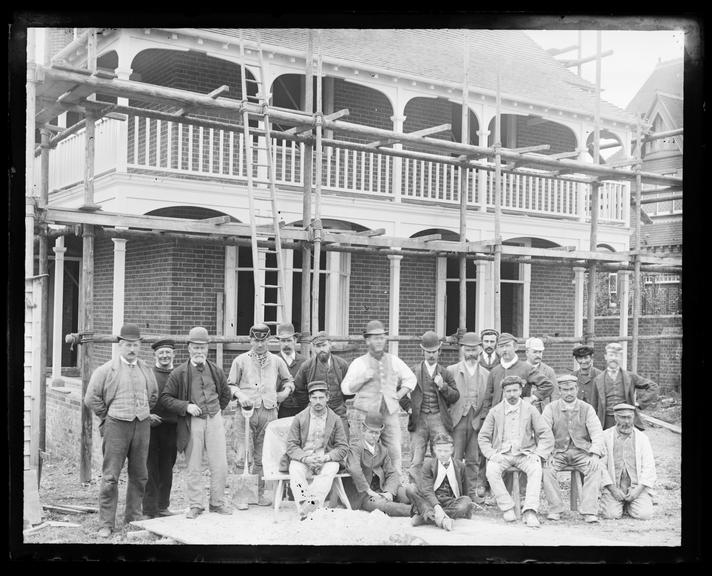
(534, 344)
(505, 338)
(442, 438)
(316, 385)
(285, 330)
(487, 331)
(566, 378)
(623, 407)
(198, 335)
(513, 380)
(582, 350)
(614, 347)
(430, 341)
(165, 343)
(374, 421)
(470, 339)
(373, 328)
(129, 332)
(259, 331)
(320, 338)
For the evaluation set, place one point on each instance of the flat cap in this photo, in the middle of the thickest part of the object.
(316, 385)
(487, 331)
(513, 380)
(374, 327)
(505, 338)
(320, 338)
(582, 350)
(614, 347)
(259, 331)
(534, 344)
(623, 407)
(165, 343)
(430, 341)
(566, 378)
(442, 438)
(129, 332)
(285, 330)
(198, 335)
(470, 339)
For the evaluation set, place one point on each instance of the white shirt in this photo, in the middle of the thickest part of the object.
(451, 478)
(358, 366)
(127, 362)
(431, 368)
(506, 364)
(471, 371)
(288, 358)
(369, 447)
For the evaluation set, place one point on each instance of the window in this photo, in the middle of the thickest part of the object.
(452, 295)
(297, 290)
(511, 298)
(613, 290)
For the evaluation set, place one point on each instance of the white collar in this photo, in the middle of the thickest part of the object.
(289, 357)
(134, 363)
(509, 408)
(470, 371)
(430, 369)
(506, 364)
(448, 472)
(370, 447)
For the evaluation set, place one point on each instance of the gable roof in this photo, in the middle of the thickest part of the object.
(528, 71)
(661, 234)
(666, 78)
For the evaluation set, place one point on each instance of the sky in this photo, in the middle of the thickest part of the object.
(635, 54)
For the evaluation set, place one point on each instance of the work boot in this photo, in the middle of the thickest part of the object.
(530, 519)
(417, 520)
(104, 532)
(509, 515)
(446, 523)
(262, 500)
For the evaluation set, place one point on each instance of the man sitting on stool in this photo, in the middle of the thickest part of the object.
(316, 444)
(442, 490)
(374, 483)
(515, 435)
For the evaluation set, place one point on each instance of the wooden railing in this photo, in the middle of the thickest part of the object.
(150, 145)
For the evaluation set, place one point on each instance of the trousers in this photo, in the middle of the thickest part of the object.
(581, 461)
(315, 491)
(467, 448)
(641, 508)
(390, 436)
(400, 506)
(162, 453)
(460, 507)
(258, 424)
(207, 437)
(530, 466)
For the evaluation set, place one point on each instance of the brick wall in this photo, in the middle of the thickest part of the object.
(366, 106)
(58, 38)
(369, 290)
(426, 112)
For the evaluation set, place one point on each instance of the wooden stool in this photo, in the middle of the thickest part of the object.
(515, 490)
(576, 481)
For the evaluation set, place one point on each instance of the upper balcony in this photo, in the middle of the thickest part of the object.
(182, 150)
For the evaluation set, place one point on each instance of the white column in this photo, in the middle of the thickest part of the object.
(482, 174)
(481, 300)
(119, 276)
(57, 338)
(230, 291)
(582, 189)
(489, 296)
(579, 282)
(123, 132)
(440, 304)
(526, 276)
(333, 300)
(288, 259)
(397, 164)
(623, 288)
(394, 301)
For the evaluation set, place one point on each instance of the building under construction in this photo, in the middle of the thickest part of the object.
(433, 179)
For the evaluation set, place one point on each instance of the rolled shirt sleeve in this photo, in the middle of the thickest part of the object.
(405, 374)
(354, 376)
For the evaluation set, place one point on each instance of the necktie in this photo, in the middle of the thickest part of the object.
(199, 367)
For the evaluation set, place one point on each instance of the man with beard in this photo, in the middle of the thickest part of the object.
(617, 386)
(162, 450)
(488, 358)
(122, 393)
(468, 412)
(629, 468)
(259, 380)
(327, 367)
(293, 359)
(197, 392)
(379, 380)
(587, 372)
(534, 351)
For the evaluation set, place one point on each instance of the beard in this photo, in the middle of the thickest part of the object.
(322, 356)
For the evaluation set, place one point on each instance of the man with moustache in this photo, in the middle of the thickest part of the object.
(197, 392)
(428, 403)
(629, 468)
(617, 386)
(327, 367)
(379, 380)
(578, 444)
(316, 444)
(162, 450)
(537, 385)
(259, 380)
(489, 358)
(587, 372)
(122, 393)
(291, 405)
(534, 352)
(515, 435)
(468, 412)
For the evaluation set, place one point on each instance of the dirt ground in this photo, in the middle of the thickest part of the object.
(60, 486)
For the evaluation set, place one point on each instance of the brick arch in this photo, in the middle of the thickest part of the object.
(189, 212)
(423, 112)
(336, 224)
(606, 247)
(446, 234)
(534, 130)
(535, 241)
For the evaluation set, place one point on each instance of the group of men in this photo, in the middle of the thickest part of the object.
(482, 417)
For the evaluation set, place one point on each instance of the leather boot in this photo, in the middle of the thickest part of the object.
(262, 499)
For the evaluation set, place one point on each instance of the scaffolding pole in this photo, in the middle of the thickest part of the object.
(498, 209)
(636, 258)
(306, 206)
(464, 137)
(43, 271)
(317, 196)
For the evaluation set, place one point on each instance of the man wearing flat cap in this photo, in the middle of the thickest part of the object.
(578, 444)
(294, 360)
(162, 450)
(515, 435)
(537, 385)
(122, 393)
(379, 380)
(197, 392)
(629, 468)
(428, 402)
(587, 372)
(534, 352)
(316, 445)
(326, 366)
(468, 412)
(617, 386)
(489, 358)
(374, 483)
(259, 380)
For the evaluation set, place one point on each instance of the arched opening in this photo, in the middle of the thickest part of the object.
(189, 212)
(610, 147)
(519, 131)
(424, 112)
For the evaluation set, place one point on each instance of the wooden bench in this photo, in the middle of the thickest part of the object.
(575, 488)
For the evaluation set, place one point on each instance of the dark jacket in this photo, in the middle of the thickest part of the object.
(306, 373)
(426, 480)
(585, 383)
(482, 361)
(336, 445)
(631, 382)
(176, 397)
(414, 400)
(161, 375)
(544, 386)
(363, 466)
(291, 400)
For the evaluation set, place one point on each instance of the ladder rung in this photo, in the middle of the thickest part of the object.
(273, 304)
(271, 285)
(253, 81)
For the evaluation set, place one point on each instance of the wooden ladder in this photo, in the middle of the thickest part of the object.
(271, 230)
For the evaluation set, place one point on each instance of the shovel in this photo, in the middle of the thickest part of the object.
(246, 484)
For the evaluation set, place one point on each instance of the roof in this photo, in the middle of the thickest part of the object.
(661, 234)
(666, 78)
(674, 107)
(528, 71)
